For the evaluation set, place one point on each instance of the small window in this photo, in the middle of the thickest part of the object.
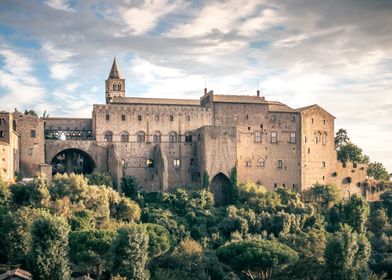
(275, 185)
(125, 137)
(176, 162)
(171, 118)
(248, 163)
(141, 137)
(188, 118)
(107, 117)
(1, 134)
(308, 150)
(306, 139)
(157, 118)
(172, 137)
(324, 122)
(323, 164)
(157, 137)
(32, 133)
(188, 138)
(312, 120)
(150, 163)
(280, 164)
(114, 86)
(139, 118)
(119, 86)
(257, 136)
(247, 117)
(123, 117)
(260, 162)
(292, 137)
(274, 137)
(192, 161)
(30, 152)
(108, 136)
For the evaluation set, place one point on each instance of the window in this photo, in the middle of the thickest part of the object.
(247, 117)
(171, 118)
(324, 139)
(32, 133)
(1, 134)
(312, 120)
(119, 86)
(141, 137)
(157, 118)
(188, 137)
(192, 161)
(172, 137)
(306, 139)
(123, 117)
(176, 162)
(292, 137)
(274, 137)
(114, 86)
(30, 152)
(308, 150)
(139, 118)
(273, 118)
(275, 185)
(323, 164)
(150, 163)
(157, 137)
(107, 117)
(188, 118)
(280, 164)
(324, 122)
(292, 118)
(124, 137)
(248, 163)
(108, 136)
(260, 162)
(257, 136)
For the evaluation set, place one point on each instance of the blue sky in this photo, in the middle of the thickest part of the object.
(56, 54)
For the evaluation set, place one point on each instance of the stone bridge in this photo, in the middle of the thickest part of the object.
(98, 153)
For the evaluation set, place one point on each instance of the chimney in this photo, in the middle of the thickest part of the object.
(258, 93)
(205, 91)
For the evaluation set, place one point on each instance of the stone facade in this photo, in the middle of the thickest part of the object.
(166, 143)
(9, 147)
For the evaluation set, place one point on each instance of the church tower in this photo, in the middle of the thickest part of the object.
(114, 85)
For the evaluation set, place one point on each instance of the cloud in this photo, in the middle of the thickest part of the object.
(62, 5)
(60, 68)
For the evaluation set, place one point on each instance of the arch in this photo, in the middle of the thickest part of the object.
(141, 137)
(157, 137)
(260, 162)
(108, 136)
(188, 137)
(119, 87)
(72, 161)
(124, 136)
(220, 187)
(173, 137)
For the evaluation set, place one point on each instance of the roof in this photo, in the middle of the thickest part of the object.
(314, 106)
(22, 274)
(114, 73)
(154, 101)
(280, 107)
(238, 99)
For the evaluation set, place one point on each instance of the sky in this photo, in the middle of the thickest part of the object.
(56, 54)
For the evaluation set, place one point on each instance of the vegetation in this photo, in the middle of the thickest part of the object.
(348, 151)
(74, 226)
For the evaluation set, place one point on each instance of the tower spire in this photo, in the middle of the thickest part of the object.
(114, 73)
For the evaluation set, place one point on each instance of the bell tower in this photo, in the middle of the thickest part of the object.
(114, 84)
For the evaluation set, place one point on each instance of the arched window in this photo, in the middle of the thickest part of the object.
(188, 137)
(157, 118)
(324, 138)
(156, 137)
(188, 118)
(248, 162)
(108, 136)
(260, 162)
(114, 86)
(171, 118)
(119, 87)
(141, 137)
(124, 136)
(172, 137)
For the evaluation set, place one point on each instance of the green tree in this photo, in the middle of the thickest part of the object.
(206, 180)
(158, 240)
(89, 250)
(31, 113)
(346, 255)
(129, 187)
(34, 193)
(5, 194)
(351, 152)
(324, 195)
(129, 252)
(233, 192)
(386, 200)
(256, 258)
(378, 171)
(100, 179)
(49, 248)
(341, 138)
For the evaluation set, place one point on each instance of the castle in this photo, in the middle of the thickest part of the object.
(166, 143)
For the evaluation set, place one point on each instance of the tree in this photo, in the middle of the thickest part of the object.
(129, 252)
(324, 195)
(5, 194)
(89, 249)
(341, 138)
(233, 192)
(158, 240)
(256, 258)
(49, 248)
(386, 199)
(351, 152)
(378, 171)
(206, 180)
(34, 193)
(31, 113)
(129, 187)
(346, 255)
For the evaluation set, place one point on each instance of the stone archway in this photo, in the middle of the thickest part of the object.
(220, 186)
(72, 161)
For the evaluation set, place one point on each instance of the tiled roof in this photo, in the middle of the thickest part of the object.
(154, 101)
(23, 274)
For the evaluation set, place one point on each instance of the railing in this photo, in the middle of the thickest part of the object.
(78, 135)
